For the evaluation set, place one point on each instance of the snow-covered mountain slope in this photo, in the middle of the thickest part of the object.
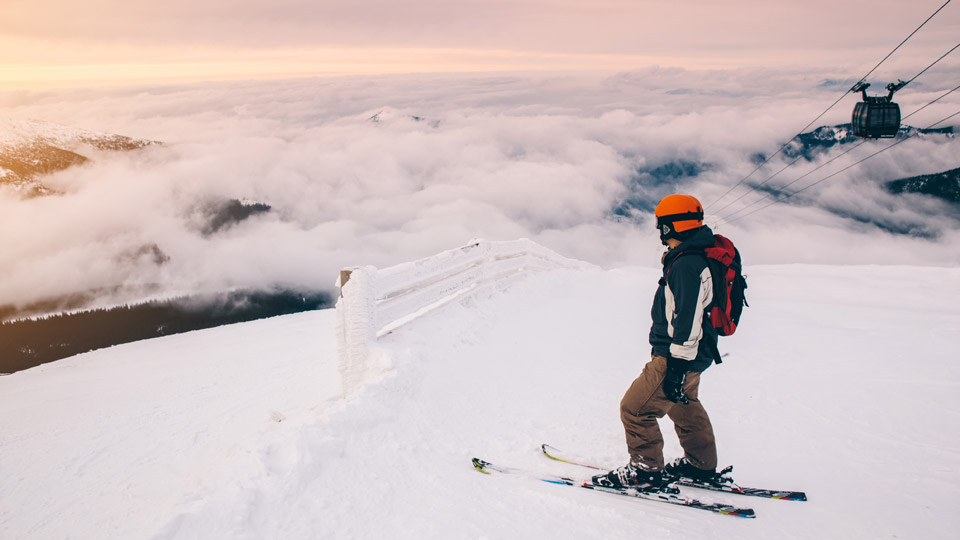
(29, 149)
(945, 185)
(841, 381)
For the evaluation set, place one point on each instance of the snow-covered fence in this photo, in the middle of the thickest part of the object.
(375, 302)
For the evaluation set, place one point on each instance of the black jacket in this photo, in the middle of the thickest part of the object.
(679, 307)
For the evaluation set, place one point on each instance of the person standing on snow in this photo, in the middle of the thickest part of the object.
(683, 347)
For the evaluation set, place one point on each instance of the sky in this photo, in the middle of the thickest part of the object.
(57, 43)
(459, 154)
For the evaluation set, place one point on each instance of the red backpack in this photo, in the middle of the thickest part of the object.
(729, 285)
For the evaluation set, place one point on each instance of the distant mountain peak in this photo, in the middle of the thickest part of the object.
(30, 149)
(815, 142)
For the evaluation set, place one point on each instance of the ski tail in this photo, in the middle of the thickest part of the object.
(481, 465)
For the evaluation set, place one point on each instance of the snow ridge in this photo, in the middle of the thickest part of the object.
(374, 303)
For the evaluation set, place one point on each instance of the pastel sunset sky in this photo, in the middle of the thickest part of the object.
(46, 43)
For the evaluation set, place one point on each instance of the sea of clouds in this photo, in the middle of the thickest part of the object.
(382, 170)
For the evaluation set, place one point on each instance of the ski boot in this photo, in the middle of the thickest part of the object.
(682, 470)
(632, 477)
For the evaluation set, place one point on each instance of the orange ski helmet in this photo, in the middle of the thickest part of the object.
(677, 216)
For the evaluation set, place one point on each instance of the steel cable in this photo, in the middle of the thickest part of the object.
(885, 58)
(824, 179)
(728, 217)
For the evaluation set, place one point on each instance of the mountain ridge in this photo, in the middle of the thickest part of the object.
(30, 149)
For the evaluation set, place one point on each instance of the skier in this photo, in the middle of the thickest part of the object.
(683, 347)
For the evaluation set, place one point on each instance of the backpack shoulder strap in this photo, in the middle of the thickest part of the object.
(666, 269)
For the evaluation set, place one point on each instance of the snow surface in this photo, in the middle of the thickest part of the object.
(842, 381)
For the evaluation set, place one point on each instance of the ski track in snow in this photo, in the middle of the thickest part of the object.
(841, 382)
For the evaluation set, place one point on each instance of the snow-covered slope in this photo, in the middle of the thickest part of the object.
(842, 382)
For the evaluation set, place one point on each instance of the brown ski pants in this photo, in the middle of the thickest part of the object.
(645, 402)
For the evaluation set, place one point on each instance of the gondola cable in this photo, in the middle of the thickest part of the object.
(854, 147)
(905, 40)
(933, 64)
(841, 170)
(862, 79)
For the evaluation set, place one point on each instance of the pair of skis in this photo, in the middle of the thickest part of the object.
(670, 495)
(723, 486)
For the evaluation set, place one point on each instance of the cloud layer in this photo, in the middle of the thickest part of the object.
(381, 170)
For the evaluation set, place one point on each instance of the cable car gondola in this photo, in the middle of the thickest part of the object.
(876, 116)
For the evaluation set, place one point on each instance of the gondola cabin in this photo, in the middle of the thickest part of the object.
(876, 116)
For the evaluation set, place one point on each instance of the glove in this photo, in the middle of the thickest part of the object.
(673, 382)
